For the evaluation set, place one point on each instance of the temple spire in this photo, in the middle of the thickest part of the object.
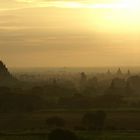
(119, 72)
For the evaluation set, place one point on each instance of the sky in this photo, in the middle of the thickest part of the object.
(80, 33)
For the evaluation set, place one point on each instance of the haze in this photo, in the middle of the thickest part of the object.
(41, 33)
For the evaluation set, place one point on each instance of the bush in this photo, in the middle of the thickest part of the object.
(60, 134)
(55, 122)
(94, 120)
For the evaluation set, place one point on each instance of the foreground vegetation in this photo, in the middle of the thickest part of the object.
(70, 107)
(81, 135)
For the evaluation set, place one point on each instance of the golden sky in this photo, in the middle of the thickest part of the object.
(70, 33)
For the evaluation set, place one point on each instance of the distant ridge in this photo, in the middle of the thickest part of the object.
(5, 76)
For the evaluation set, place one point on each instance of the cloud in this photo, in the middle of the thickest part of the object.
(52, 33)
(13, 4)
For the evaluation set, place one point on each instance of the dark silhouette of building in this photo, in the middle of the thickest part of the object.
(108, 72)
(119, 73)
(128, 73)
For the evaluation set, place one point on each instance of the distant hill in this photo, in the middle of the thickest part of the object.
(6, 77)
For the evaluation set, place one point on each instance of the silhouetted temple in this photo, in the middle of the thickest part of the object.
(108, 72)
(128, 73)
(119, 72)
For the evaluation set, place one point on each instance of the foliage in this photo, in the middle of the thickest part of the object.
(55, 121)
(94, 121)
(60, 134)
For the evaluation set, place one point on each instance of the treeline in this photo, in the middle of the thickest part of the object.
(80, 93)
(91, 121)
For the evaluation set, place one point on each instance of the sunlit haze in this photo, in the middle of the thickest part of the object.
(53, 33)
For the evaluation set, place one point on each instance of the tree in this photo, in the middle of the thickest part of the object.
(94, 121)
(88, 120)
(100, 117)
(54, 122)
(60, 134)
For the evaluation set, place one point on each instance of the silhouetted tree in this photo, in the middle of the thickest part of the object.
(134, 83)
(100, 117)
(91, 87)
(83, 76)
(54, 122)
(94, 121)
(60, 134)
(128, 89)
(117, 87)
(88, 120)
(109, 100)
